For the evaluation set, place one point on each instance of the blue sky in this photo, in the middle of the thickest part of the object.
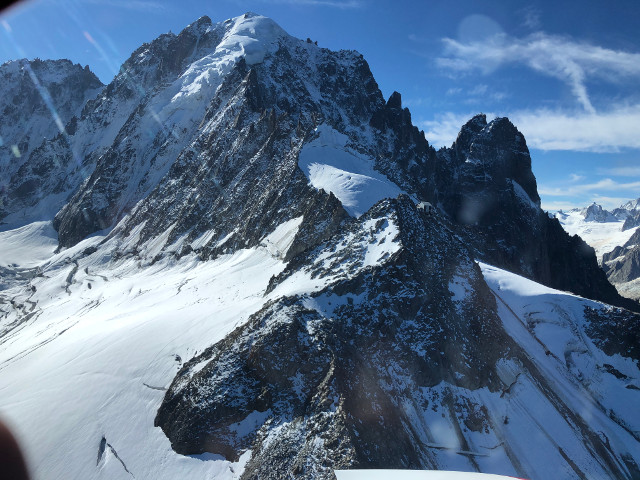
(566, 73)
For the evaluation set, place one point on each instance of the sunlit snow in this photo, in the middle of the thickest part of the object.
(331, 165)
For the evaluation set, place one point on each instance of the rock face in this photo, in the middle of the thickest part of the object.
(344, 377)
(485, 182)
(319, 361)
(595, 213)
(632, 220)
(341, 378)
(238, 149)
(39, 97)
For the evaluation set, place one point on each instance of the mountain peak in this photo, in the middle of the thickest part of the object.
(200, 26)
(468, 132)
(395, 100)
(632, 205)
(595, 213)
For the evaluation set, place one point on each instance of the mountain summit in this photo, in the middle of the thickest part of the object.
(253, 266)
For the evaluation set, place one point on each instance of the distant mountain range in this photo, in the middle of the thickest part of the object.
(238, 260)
(614, 235)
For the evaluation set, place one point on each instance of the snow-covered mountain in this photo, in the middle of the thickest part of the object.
(229, 278)
(598, 227)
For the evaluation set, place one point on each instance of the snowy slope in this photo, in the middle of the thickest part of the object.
(605, 235)
(102, 340)
(98, 343)
(558, 335)
(330, 165)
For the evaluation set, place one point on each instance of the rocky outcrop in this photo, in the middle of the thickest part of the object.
(622, 264)
(321, 366)
(401, 325)
(595, 213)
(485, 183)
(238, 153)
(632, 220)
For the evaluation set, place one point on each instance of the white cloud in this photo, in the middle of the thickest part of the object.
(545, 129)
(599, 132)
(608, 203)
(560, 57)
(480, 89)
(555, 205)
(443, 130)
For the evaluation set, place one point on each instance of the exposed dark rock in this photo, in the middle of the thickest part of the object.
(628, 268)
(595, 213)
(485, 183)
(622, 264)
(615, 331)
(323, 371)
(39, 97)
(633, 220)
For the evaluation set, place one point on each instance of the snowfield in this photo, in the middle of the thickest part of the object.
(330, 165)
(83, 374)
(100, 344)
(602, 236)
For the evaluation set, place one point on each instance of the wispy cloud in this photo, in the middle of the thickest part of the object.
(606, 184)
(599, 132)
(545, 129)
(148, 6)
(443, 130)
(607, 202)
(621, 171)
(574, 177)
(560, 57)
(555, 205)
(346, 4)
(531, 18)
(478, 93)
